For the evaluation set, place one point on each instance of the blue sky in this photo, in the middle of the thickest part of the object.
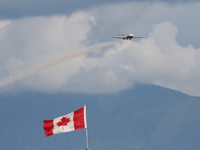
(35, 33)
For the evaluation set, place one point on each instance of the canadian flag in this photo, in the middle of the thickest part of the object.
(70, 122)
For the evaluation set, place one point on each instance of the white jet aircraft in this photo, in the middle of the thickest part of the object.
(126, 36)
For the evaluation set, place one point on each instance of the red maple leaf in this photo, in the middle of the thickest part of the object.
(63, 121)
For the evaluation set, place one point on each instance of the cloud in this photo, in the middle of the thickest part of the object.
(160, 58)
(29, 42)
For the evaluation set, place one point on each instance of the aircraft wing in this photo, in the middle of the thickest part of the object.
(137, 37)
(119, 37)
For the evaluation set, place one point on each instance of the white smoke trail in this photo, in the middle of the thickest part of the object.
(53, 63)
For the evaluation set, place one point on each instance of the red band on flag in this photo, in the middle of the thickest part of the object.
(48, 127)
(79, 122)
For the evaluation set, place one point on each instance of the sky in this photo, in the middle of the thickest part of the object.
(40, 34)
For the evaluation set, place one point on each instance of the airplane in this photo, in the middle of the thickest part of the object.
(127, 36)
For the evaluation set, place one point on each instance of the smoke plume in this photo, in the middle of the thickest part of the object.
(53, 63)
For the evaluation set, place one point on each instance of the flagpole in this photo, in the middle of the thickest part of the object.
(87, 147)
(86, 130)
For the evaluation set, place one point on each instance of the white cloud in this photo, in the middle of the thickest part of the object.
(160, 58)
(30, 42)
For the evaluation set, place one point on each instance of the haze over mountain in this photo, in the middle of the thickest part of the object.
(143, 117)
